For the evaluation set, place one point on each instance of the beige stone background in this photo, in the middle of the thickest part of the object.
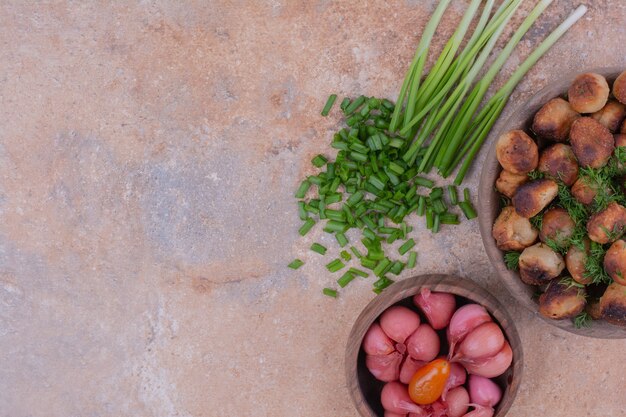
(149, 151)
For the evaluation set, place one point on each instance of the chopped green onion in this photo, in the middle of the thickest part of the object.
(333, 198)
(337, 215)
(355, 198)
(345, 255)
(466, 195)
(368, 233)
(382, 283)
(412, 260)
(308, 224)
(329, 292)
(449, 218)
(302, 211)
(453, 195)
(335, 265)
(359, 272)
(295, 264)
(303, 188)
(319, 161)
(368, 263)
(341, 239)
(406, 246)
(421, 206)
(436, 193)
(344, 103)
(468, 210)
(439, 207)
(352, 107)
(345, 279)
(380, 267)
(316, 247)
(396, 268)
(429, 219)
(329, 104)
(424, 182)
(333, 226)
(436, 223)
(356, 252)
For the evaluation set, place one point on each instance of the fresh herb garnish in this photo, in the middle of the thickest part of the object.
(511, 259)
(583, 319)
(594, 268)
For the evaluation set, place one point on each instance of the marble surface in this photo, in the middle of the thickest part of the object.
(149, 152)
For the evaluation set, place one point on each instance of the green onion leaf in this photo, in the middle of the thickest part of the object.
(329, 104)
(329, 292)
(406, 246)
(295, 264)
(316, 247)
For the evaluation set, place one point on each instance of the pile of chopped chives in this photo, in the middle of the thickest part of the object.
(369, 187)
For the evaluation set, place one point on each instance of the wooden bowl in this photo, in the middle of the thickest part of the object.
(365, 389)
(489, 206)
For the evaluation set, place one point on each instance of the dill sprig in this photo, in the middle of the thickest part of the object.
(601, 181)
(576, 210)
(594, 268)
(536, 175)
(569, 282)
(578, 236)
(511, 259)
(537, 221)
(583, 319)
(557, 245)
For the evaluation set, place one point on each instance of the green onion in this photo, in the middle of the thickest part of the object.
(396, 268)
(468, 210)
(302, 211)
(329, 104)
(436, 193)
(345, 279)
(429, 219)
(412, 260)
(333, 226)
(308, 224)
(344, 103)
(295, 264)
(329, 292)
(424, 182)
(359, 272)
(356, 252)
(345, 255)
(341, 239)
(436, 223)
(368, 263)
(406, 246)
(421, 206)
(335, 265)
(351, 108)
(302, 189)
(380, 267)
(492, 110)
(382, 283)
(412, 80)
(453, 195)
(466, 195)
(319, 161)
(449, 218)
(316, 247)
(333, 198)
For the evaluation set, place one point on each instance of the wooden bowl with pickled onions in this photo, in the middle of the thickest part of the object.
(392, 368)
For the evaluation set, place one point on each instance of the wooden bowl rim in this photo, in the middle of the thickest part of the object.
(435, 282)
(488, 198)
